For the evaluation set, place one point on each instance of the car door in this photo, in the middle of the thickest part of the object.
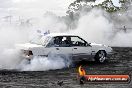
(81, 49)
(58, 46)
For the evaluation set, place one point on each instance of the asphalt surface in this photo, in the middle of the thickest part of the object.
(119, 63)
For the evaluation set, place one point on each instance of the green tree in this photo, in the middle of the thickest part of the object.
(108, 6)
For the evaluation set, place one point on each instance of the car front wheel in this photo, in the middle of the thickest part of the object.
(100, 57)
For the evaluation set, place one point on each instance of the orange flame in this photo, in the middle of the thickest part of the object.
(81, 71)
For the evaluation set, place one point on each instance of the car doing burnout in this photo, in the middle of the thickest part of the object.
(65, 44)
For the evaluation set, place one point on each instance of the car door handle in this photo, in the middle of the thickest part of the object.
(57, 48)
(75, 48)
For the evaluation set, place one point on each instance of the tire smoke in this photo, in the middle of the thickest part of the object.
(51, 62)
(20, 27)
(98, 26)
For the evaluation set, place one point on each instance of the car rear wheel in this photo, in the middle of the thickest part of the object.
(100, 57)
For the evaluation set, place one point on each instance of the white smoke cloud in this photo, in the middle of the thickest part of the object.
(122, 39)
(46, 63)
(97, 26)
(94, 26)
(9, 36)
(9, 59)
(12, 33)
(15, 30)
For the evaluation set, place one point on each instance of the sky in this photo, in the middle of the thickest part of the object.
(58, 7)
(116, 2)
(37, 7)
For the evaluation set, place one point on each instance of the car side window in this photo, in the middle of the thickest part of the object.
(58, 41)
(62, 41)
(77, 41)
(66, 41)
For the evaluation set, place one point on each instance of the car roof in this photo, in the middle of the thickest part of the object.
(60, 34)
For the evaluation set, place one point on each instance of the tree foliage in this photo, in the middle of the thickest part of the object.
(80, 7)
(107, 5)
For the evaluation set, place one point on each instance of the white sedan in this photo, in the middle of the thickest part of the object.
(65, 44)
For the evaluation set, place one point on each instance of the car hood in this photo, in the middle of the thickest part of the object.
(95, 44)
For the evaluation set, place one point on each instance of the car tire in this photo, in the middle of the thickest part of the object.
(100, 56)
